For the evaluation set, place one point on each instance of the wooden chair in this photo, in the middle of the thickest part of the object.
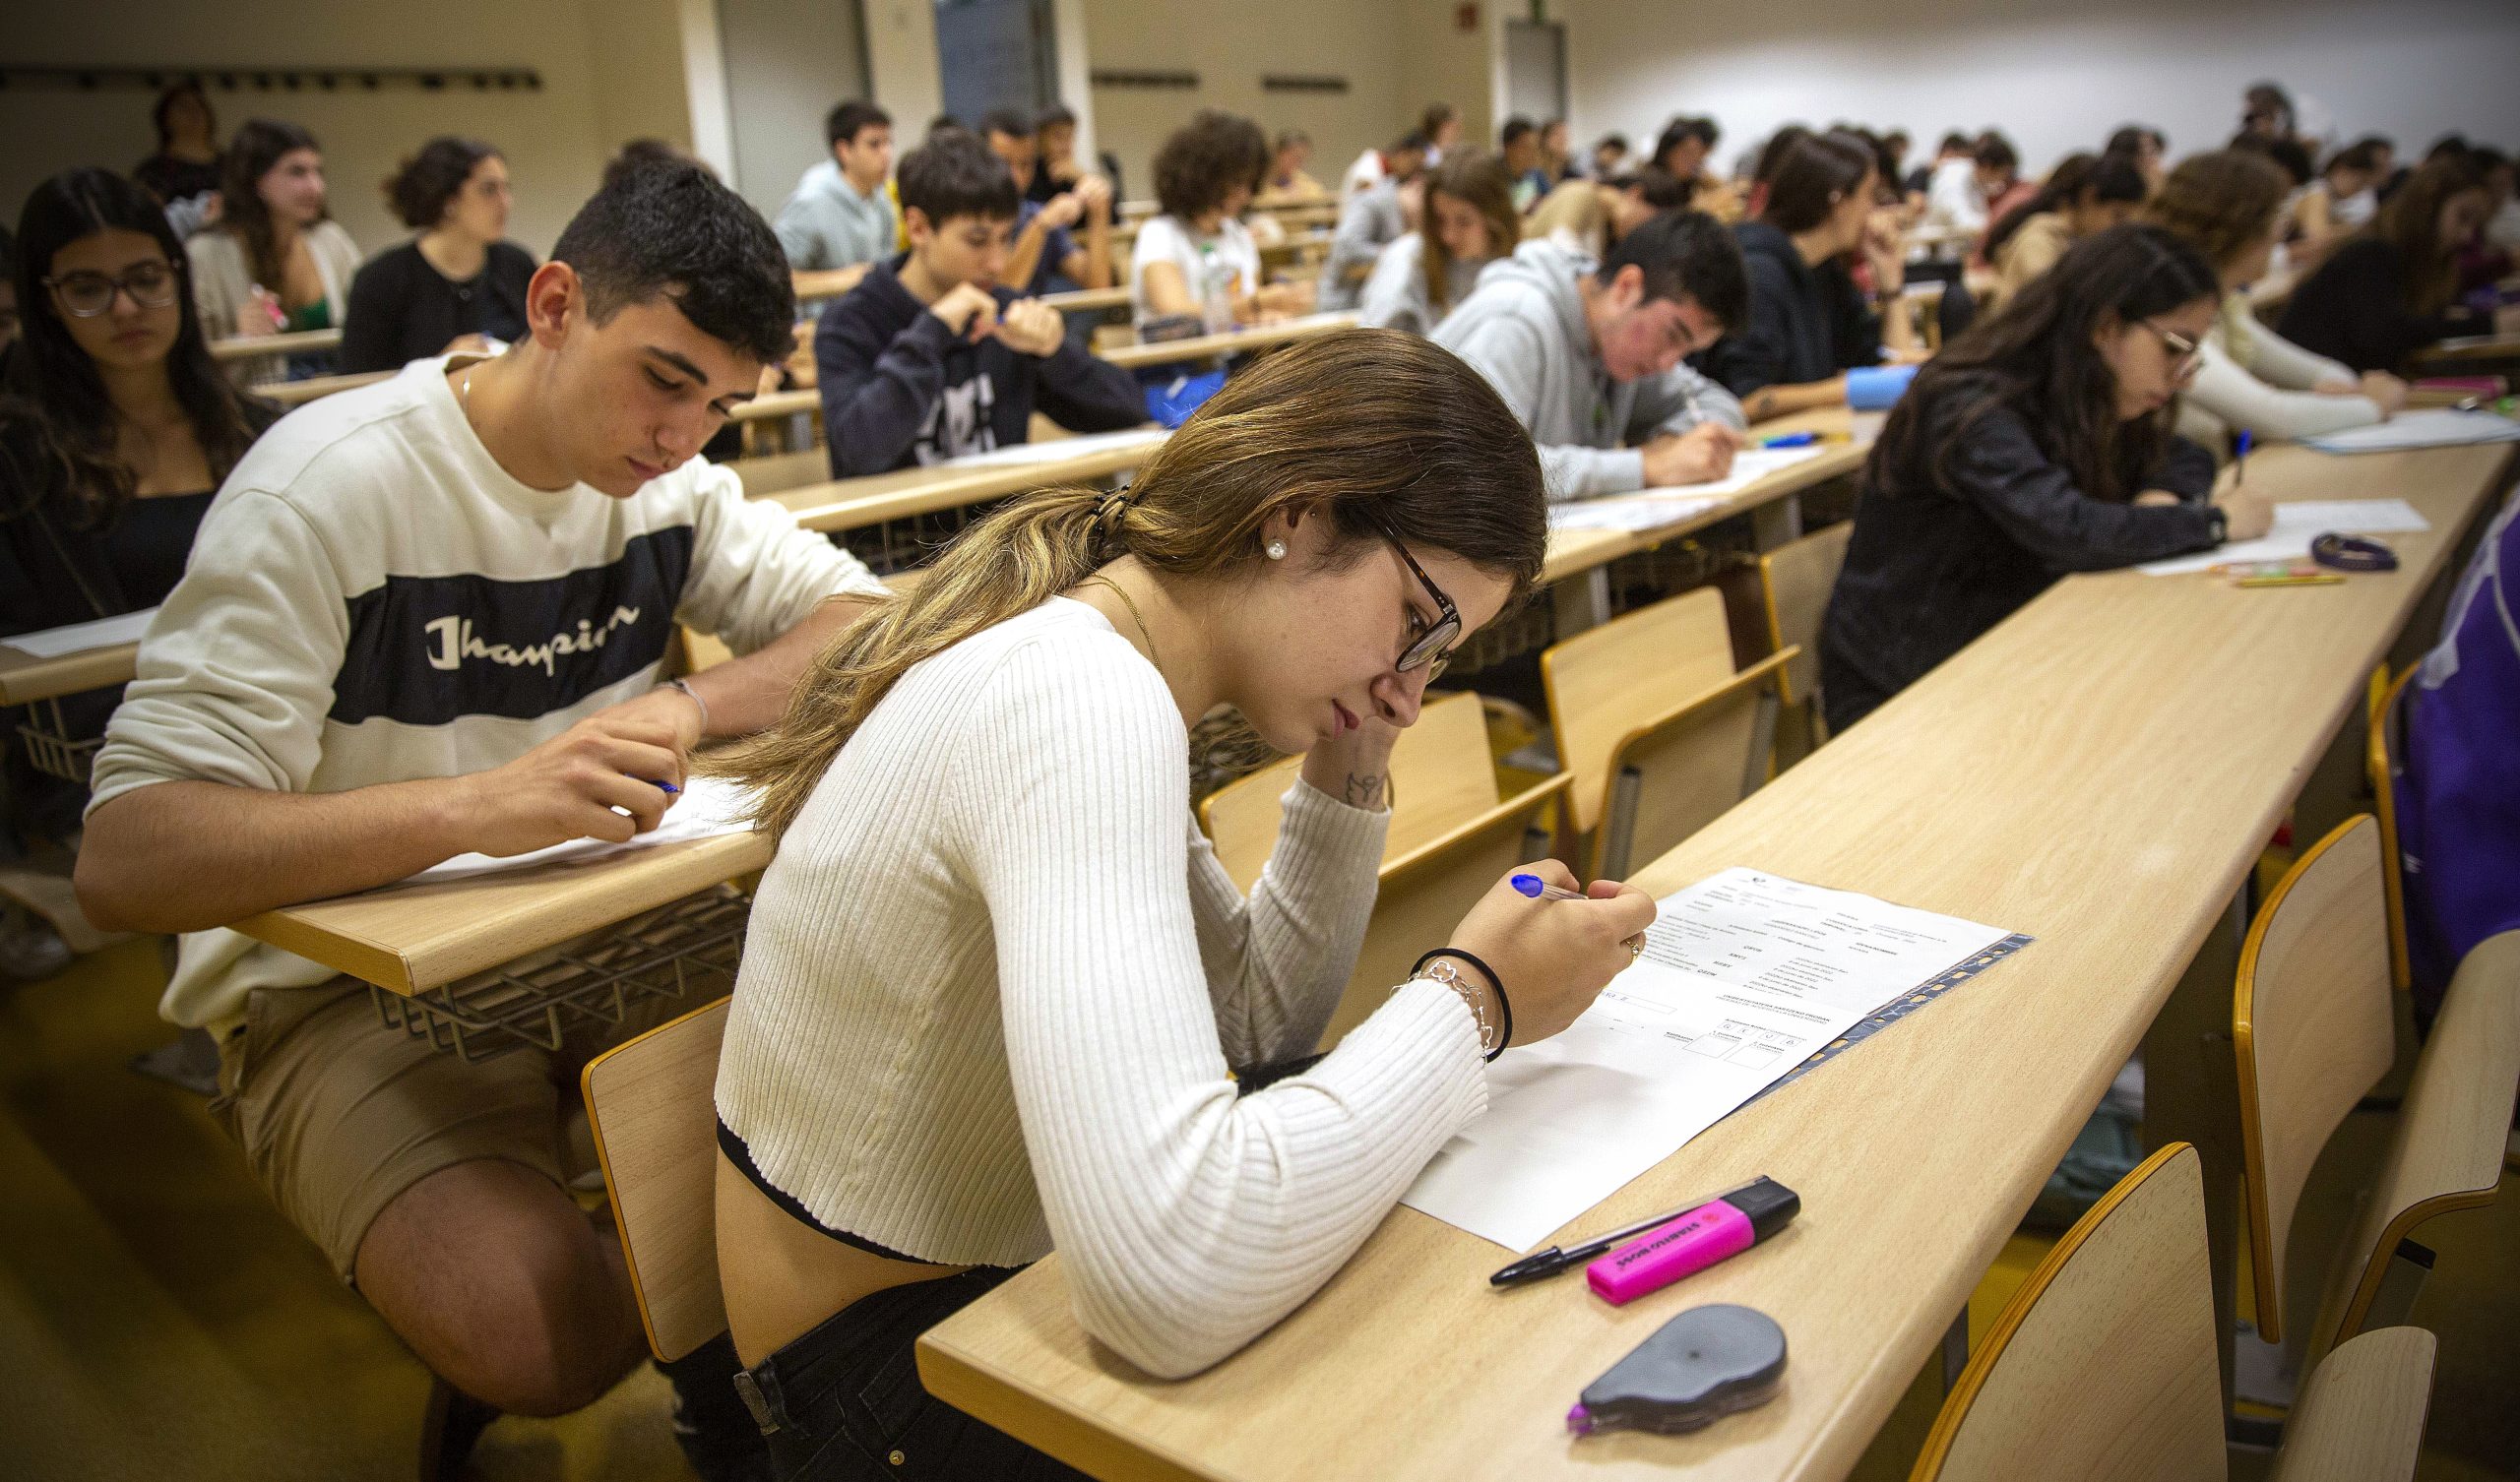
(1657, 731)
(1797, 579)
(652, 1106)
(769, 473)
(2385, 742)
(1452, 836)
(2102, 1368)
(2313, 1028)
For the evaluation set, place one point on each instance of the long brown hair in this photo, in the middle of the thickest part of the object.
(258, 146)
(1388, 430)
(2411, 221)
(1479, 179)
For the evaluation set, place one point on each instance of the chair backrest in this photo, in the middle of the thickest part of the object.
(651, 1103)
(1798, 576)
(2102, 1368)
(1677, 773)
(1605, 681)
(2383, 745)
(2360, 1415)
(1442, 776)
(778, 472)
(2313, 1027)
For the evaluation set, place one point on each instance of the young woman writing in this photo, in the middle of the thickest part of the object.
(1470, 223)
(275, 260)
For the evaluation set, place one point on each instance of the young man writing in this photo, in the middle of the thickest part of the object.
(1045, 231)
(427, 617)
(841, 215)
(929, 358)
(1588, 356)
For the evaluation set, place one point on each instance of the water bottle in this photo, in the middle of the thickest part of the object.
(1215, 290)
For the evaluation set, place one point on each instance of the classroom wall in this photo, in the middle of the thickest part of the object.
(788, 62)
(2055, 74)
(901, 59)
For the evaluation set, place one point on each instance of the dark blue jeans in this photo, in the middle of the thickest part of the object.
(843, 1403)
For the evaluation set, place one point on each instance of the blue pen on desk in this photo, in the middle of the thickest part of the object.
(1541, 890)
(1790, 440)
(2240, 456)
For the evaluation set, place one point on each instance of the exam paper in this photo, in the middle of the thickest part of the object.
(1656, 508)
(1055, 448)
(2440, 427)
(2295, 526)
(79, 637)
(1745, 976)
(708, 807)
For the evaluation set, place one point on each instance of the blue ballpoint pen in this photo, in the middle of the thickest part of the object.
(2240, 456)
(1541, 890)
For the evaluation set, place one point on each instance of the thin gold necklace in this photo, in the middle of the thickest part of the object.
(1135, 616)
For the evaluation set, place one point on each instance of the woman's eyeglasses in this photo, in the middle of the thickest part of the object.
(2184, 353)
(84, 295)
(1432, 649)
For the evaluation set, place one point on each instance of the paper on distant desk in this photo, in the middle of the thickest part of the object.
(2441, 427)
(1055, 448)
(1656, 508)
(2295, 526)
(708, 807)
(1744, 975)
(79, 637)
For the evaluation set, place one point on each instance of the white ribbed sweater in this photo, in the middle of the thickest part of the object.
(995, 977)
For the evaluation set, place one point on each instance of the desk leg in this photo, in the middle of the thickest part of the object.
(1777, 523)
(1583, 603)
(2337, 787)
(2192, 1095)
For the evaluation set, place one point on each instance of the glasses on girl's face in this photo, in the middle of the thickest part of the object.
(84, 295)
(2184, 353)
(1432, 649)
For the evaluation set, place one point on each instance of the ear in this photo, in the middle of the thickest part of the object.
(553, 296)
(916, 226)
(2106, 331)
(1627, 288)
(1295, 524)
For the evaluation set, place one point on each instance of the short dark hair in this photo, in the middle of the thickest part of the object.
(671, 228)
(1205, 159)
(1617, 142)
(1005, 121)
(1952, 142)
(954, 174)
(1437, 114)
(1514, 130)
(2132, 138)
(1410, 142)
(1681, 130)
(420, 189)
(167, 102)
(1996, 152)
(641, 153)
(1815, 173)
(847, 119)
(1053, 116)
(1686, 253)
(2362, 154)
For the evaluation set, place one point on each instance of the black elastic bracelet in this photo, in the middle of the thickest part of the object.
(1504, 1004)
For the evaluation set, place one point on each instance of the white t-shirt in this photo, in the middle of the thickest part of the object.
(1169, 240)
(373, 599)
(1365, 173)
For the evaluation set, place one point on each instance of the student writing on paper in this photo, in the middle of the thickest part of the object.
(929, 357)
(2037, 444)
(115, 428)
(427, 617)
(1809, 324)
(996, 979)
(456, 287)
(1046, 254)
(1587, 354)
(841, 215)
(1197, 258)
(276, 261)
(2391, 289)
(1370, 220)
(2229, 206)
(2085, 194)
(1469, 221)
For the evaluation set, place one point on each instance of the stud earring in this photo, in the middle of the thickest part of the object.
(1277, 551)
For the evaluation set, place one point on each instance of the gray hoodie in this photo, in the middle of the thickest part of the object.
(1368, 221)
(1524, 329)
(826, 224)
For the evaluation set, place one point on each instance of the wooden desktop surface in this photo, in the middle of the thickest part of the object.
(2100, 771)
(1233, 341)
(848, 503)
(24, 678)
(1573, 552)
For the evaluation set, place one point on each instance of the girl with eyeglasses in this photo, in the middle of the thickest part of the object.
(115, 429)
(2035, 445)
(996, 981)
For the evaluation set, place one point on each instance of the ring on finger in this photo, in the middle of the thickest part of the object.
(1635, 945)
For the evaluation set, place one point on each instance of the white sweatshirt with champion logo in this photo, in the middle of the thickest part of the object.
(372, 600)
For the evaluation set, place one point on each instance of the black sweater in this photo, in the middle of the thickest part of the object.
(1807, 323)
(901, 390)
(1930, 567)
(2354, 309)
(403, 310)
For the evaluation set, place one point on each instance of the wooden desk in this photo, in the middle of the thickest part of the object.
(778, 404)
(26, 679)
(1088, 300)
(813, 283)
(848, 503)
(2101, 771)
(2466, 355)
(1230, 342)
(299, 392)
(249, 347)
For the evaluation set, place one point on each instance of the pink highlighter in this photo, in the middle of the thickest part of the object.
(1717, 1230)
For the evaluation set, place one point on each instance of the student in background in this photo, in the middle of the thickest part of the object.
(1045, 256)
(641, 153)
(841, 215)
(115, 430)
(2390, 289)
(2034, 446)
(1074, 981)
(1682, 152)
(1469, 221)
(1610, 156)
(2488, 258)
(2147, 148)
(2266, 112)
(1588, 217)
(1059, 169)
(1588, 355)
(276, 262)
(1400, 161)
(1370, 220)
(1440, 126)
(345, 689)
(1920, 181)
(184, 173)
(2341, 203)
(1519, 144)
(2085, 195)
(1998, 179)
(1195, 256)
(1556, 155)
(1956, 196)
(1288, 181)
(930, 357)
(459, 284)
(1809, 324)
(2229, 206)
(1894, 162)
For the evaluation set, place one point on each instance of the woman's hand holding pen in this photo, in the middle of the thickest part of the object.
(1553, 955)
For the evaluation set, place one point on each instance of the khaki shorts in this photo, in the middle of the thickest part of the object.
(339, 1114)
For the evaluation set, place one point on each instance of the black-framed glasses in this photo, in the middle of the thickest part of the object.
(1432, 649)
(84, 295)
(2185, 353)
